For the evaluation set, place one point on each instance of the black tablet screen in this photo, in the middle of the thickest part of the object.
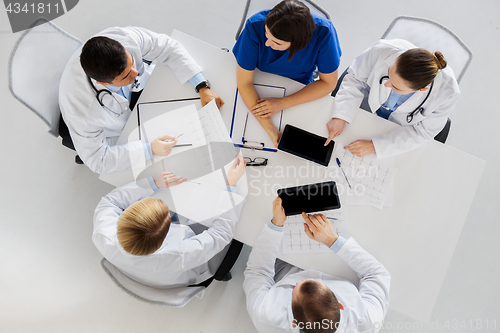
(306, 145)
(309, 198)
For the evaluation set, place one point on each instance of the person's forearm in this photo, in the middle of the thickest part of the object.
(206, 245)
(248, 93)
(311, 92)
(374, 278)
(250, 97)
(259, 274)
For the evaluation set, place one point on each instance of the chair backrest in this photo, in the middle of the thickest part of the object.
(432, 36)
(176, 297)
(256, 6)
(35, 68)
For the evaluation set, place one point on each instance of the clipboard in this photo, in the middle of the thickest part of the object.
(246, 131)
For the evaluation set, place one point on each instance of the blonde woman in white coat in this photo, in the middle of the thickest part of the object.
(135, 233)
(404, 84)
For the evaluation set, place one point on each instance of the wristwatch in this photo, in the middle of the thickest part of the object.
(201, 85)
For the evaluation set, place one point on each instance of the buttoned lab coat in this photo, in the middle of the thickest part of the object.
(95, 130)
(364, 77)
(269, 303)
(183, 259)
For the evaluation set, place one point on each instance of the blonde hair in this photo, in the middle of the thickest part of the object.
(143, 226)
(419, 67)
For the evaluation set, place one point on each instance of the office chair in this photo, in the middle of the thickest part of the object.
(255, 6)
(36, 65)
(432, 36)
(176, 297)
(179, 296)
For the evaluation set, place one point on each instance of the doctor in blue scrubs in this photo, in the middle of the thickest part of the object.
(288, 41)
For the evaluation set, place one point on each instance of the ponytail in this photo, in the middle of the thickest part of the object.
(440, 60)
(418, 67)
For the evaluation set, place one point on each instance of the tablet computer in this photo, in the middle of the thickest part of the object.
(309, 198)
(305, 144)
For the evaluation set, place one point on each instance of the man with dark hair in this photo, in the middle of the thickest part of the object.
(101, 84)
(103, 59)
(284, 298)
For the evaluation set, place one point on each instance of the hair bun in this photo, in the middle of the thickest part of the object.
(441, 61)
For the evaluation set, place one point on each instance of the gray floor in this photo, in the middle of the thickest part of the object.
(50, 279)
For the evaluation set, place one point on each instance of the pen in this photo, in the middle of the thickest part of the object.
(338, 162)
(170, 140)
(331, 218)
(189, 181)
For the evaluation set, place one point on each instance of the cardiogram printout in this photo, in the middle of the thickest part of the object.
(165, 118)
(197, 126)
(371, 179)
(295, 239)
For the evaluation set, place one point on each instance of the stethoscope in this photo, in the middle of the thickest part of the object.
(418, 109)
(100, 94)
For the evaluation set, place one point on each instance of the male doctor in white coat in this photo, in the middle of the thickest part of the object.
(414, 89)
(98, 86)
(284, 298)
(137, 234)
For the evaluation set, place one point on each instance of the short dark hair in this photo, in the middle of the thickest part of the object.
(418, 67)
(316, 302)
(291, 21)
(103, 59)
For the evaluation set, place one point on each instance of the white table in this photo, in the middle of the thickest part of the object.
(414, 239)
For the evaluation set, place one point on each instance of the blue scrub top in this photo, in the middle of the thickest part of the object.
(323, 51)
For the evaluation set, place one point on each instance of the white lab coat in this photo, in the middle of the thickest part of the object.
(184, 257)
(95, 130)
(269, 303)
(363, 79)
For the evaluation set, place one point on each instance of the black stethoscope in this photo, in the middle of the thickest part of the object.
(101, 94)
(409, 117)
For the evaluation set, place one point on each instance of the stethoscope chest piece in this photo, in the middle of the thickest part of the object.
(409, 117)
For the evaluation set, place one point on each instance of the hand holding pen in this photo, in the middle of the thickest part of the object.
(181, 145)
(174, 138)
(163, 145)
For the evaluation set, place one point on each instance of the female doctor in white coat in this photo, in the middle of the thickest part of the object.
(404, 84)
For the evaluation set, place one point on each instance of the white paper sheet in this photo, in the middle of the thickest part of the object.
(207, 127)
(295, 239)
(247, 127)
(198, 202)
(371, 179)
(156, 122)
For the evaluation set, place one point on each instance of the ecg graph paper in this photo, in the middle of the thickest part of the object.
(371, 179)
(204, 128)
(295, 239)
